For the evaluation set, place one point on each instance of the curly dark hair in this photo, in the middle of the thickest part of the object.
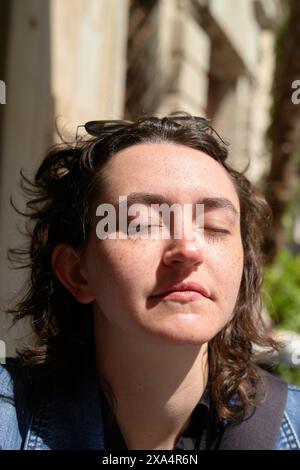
(61, 196)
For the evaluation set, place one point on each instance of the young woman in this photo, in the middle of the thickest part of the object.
(142, 341)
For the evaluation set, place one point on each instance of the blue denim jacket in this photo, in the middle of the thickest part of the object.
(69, 422)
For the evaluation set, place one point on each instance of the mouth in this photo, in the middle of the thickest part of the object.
(184, 292)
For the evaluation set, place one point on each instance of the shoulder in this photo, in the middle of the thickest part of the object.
(293, 394)
(8, 372)
(284, 402)
(289, 435)
(14, 414)
(292, 409)
(5, 383)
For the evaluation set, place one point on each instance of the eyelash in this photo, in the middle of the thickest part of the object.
(217, 233)
(140, 227)
(147, 225)
(214, 233)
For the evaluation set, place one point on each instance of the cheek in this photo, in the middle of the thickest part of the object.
(234, 266)
(118, 266)
(228, 265)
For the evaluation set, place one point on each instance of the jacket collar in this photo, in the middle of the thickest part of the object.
(70, 418)
(74, 421)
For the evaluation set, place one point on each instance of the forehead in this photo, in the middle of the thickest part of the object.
(177, 171)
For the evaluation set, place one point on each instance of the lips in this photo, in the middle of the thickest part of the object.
(184, 290)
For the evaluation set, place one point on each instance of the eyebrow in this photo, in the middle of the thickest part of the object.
(153, 198)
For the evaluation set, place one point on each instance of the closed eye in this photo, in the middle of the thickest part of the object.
(213, 234)
(143, 226)
(218, 230)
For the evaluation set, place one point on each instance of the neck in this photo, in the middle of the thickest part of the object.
(156, 385)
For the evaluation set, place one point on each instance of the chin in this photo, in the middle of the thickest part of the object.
(188, 334)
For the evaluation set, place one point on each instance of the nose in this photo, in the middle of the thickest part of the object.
(187, 251)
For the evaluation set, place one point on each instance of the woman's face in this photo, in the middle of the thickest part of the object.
(126, 275)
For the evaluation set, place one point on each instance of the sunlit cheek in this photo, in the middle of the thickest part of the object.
(227, 261)
(124, 260)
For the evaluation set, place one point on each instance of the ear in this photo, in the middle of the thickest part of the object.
(67, 267)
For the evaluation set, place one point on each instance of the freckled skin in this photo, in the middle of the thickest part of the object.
(123, 274)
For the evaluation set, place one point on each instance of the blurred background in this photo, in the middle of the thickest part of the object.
(235, 62)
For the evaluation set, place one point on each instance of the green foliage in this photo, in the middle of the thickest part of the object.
(287, 373)
(282, 290)
(282, 300)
